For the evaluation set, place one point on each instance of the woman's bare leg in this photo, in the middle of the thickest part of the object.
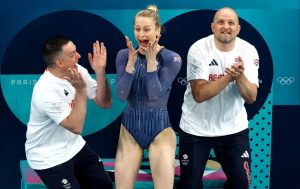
(162, 159)
(128, 160)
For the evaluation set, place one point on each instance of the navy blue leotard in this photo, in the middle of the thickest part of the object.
(147, 94)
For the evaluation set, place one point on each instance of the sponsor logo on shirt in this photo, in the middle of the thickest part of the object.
(213, 63)
(66, 92)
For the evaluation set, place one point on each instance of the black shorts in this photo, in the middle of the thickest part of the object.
(83, 171)
(232, 151)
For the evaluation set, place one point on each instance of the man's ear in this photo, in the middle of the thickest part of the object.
(58, 62)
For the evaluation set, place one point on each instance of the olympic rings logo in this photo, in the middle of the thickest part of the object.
(182, 81)
(285, 80)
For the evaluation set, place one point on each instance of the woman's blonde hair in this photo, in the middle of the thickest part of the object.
(152, 12)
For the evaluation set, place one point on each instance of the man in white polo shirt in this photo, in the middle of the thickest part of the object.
(54, 147)
(222, 70)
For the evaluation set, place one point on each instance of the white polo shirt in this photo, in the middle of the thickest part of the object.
(48, 144)
(225, 113)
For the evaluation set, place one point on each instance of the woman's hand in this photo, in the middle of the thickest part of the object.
(132, 56)
(151, 52)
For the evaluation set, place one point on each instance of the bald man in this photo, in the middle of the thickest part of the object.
(222, 70)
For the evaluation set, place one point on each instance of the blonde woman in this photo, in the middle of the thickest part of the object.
(144, 79)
